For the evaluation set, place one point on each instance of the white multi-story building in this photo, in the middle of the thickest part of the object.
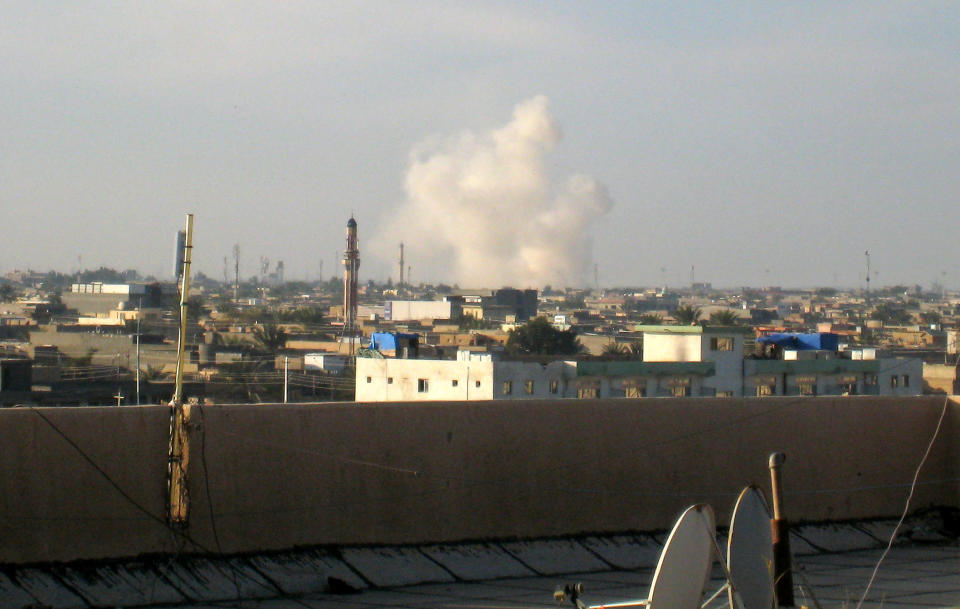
(723, 346)
(472, 376)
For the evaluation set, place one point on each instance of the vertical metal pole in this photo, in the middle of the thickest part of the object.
(286, 377)
(782, 567)
(184, 298)
(139, 315)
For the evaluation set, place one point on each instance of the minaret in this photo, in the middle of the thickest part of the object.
(351, 263)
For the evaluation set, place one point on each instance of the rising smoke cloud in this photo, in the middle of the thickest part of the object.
(481, 211)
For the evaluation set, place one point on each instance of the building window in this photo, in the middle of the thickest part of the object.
(477, 384)
(680, 391)
(894, 381)
(587, 392)
(724, 394)
(871, 379)
(423, 385)
(454, 382)
(554, 386)
(906, 380)
(369, 379)
(389, 380)
(721, 343)
(765, 390)
(808, 389)
(507, 387)
(634, 390)
(528, 387)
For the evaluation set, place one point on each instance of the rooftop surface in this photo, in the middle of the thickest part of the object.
(911, 577)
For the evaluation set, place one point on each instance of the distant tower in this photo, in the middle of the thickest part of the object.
(351, 264)
(401, 265)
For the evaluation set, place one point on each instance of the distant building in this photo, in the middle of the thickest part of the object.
(722, 346)
(100, 298)
(415, 310)
(472, 376)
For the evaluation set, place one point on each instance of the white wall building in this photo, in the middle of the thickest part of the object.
(723, 346)
(472, 376)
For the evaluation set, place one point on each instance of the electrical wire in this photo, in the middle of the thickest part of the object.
(906, 507)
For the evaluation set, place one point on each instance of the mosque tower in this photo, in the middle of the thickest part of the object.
(351, 264)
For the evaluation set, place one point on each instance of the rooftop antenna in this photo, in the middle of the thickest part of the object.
(867, 254)
(178, 449)
(236, 271)
(692, 276)
(401, 265)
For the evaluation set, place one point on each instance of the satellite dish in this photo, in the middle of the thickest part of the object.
(684, 566)
(750, 551)
(682, 571)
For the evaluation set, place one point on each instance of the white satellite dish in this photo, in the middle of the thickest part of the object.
(684, 566)
(682, 571)
(750, 551)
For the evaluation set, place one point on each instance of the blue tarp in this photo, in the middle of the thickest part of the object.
(818, 341)
(387, 341)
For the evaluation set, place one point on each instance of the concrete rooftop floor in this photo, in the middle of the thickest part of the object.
(913, 576)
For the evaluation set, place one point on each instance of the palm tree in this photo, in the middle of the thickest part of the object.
(269, 337)
(724, 317)
(687, 315)
(614, 351)
(636, 349)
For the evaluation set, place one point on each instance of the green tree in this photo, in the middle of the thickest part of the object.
(687, 315)
(269, 337)
(7, 293)
(539, 337)
(636, 349)
(651, 319)
(724, 317)
(890, 314)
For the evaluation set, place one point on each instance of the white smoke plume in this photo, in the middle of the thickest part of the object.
(480, 209)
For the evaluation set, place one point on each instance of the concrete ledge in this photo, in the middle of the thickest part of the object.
(189, 580)
(385, 567)
(471, 562)
(555, 557)
(626, 552)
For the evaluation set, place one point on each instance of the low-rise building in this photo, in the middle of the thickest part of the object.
(472, 376)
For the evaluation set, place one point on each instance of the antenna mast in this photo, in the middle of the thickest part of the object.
(179, 448)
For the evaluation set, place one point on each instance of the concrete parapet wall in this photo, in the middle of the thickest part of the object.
(281, 476)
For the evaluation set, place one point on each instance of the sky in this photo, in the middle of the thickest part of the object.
(505, 143)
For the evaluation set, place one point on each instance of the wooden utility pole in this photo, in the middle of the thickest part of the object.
(178, 451)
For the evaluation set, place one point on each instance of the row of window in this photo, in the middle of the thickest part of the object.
(423, 385)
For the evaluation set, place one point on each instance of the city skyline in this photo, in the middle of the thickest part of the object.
(759, 145)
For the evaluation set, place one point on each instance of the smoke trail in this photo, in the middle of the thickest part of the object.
(481, 211)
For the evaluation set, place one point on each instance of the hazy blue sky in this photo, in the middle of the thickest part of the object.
(761, 142)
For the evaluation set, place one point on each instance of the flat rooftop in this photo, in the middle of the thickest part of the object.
(911, 577)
